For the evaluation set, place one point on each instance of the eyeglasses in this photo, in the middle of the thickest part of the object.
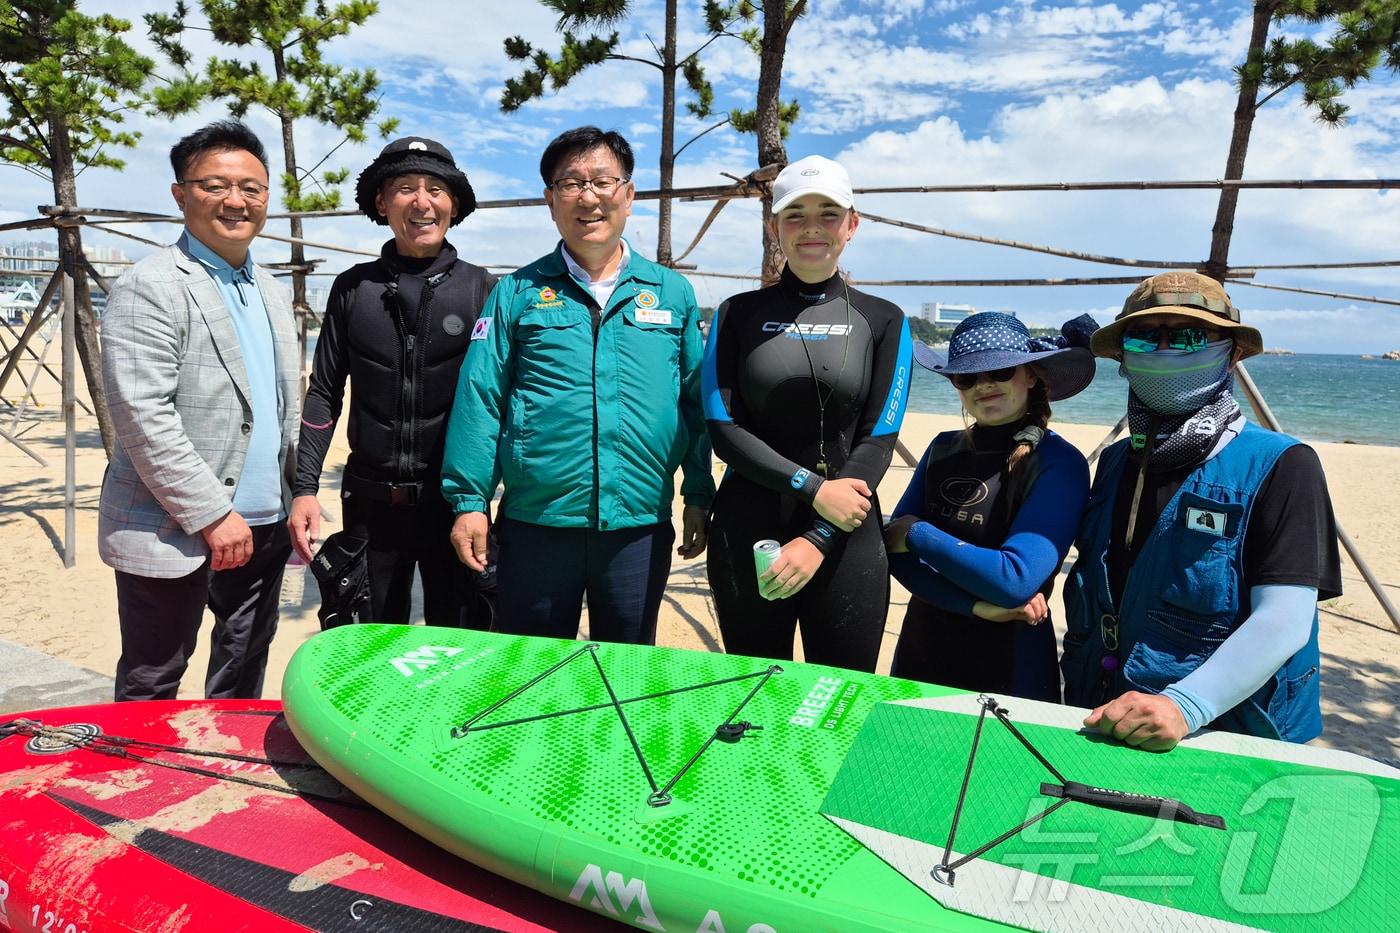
(220, 188)
(968, 380)
(604, 186)
(1189, 339)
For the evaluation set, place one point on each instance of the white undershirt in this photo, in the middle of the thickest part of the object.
(600, 289)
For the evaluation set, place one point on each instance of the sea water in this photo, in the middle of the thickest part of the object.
(1315, 396)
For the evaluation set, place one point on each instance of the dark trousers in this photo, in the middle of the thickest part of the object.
(1002, 658)
(404, 536)
(545, 573)
(160, 621)
(841, 610)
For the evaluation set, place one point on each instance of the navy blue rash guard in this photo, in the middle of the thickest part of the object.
(985, 534)
(763, 409)
(986, 559)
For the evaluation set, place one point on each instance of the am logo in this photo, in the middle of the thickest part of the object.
(410, 662)
(615, 895)
(627, 899)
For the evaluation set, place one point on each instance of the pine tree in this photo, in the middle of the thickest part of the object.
(771, 118)
(545, 72)
(68, 82)
(300, 85)
(1366, 34)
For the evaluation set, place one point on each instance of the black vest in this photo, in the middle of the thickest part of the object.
(405, 333)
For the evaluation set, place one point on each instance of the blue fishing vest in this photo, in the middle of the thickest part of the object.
(1184, 595)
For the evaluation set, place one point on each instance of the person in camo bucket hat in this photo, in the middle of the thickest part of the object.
(1184, 294)
(1206, 544)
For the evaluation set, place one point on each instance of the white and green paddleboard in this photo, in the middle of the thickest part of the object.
(688, 791)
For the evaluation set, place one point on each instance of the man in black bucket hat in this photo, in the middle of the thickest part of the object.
(1206, 544)
(397, 328)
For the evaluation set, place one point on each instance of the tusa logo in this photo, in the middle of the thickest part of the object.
(413, 661)
(962, 490)
(616, 896)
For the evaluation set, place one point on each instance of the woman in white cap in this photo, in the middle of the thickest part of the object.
(991, 512)
(805, 384)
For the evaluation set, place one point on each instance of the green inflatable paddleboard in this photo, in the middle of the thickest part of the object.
(681, 790)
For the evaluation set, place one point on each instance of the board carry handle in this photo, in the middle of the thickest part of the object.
(1162, 808)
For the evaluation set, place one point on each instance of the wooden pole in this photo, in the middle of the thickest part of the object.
(1261, 409)
(1109, 438)
(70, 427)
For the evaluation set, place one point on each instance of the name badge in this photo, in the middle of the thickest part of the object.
(1212, 523)
(653, 315)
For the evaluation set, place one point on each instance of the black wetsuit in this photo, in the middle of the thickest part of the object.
(765, 416)
(397, 328)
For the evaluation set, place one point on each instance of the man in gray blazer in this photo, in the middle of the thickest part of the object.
(199, 361)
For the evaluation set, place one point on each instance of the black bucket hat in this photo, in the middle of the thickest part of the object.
(408, 156)
(993, 340)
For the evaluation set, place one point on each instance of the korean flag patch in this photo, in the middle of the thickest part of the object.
(483, 325)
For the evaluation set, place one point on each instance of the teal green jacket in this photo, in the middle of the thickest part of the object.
(584, 412)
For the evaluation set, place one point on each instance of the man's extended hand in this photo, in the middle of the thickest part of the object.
(305, 525)
(1150, 722)
(230, 542)
(843, 502)
(692, 532)
(797, 563)
(469, 532)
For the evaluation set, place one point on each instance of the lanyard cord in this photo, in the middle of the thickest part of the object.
(822, 402)
(1141, 481)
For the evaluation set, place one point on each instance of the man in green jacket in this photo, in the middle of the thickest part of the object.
(581, 391)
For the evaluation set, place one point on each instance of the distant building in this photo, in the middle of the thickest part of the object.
(939, 313)
(34, 261)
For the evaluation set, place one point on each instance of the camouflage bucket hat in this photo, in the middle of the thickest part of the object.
(1187, 294)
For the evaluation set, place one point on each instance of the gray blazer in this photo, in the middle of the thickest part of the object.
(181, 409)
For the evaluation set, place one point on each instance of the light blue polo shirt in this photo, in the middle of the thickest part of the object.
(258, 496)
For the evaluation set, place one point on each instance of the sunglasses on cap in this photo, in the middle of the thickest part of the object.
(1189, 339)
(968, 380)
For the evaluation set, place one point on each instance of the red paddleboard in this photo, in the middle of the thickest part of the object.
(98, 834)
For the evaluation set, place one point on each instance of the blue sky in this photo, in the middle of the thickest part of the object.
(903, 92)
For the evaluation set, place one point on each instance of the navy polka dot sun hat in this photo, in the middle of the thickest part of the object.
(992, 340)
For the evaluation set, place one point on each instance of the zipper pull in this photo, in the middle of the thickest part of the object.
(409, 345)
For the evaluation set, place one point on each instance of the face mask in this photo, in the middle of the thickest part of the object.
(1175, 382)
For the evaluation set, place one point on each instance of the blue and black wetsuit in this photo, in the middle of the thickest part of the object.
(780, 431)
(985, 534)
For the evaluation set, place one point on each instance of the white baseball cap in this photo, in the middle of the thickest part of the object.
(812, 175)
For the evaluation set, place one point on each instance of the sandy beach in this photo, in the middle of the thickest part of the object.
(70, 614)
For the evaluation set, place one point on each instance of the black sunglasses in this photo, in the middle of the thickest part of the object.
(968, 380)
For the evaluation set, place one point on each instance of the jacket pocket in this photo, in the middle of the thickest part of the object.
(549, 338)
(653, 342)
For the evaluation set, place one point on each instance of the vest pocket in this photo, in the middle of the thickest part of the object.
(1169, 647)
(1293, 709)
(1202, 555)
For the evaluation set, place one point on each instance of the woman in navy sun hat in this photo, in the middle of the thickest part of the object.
(991, 512)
